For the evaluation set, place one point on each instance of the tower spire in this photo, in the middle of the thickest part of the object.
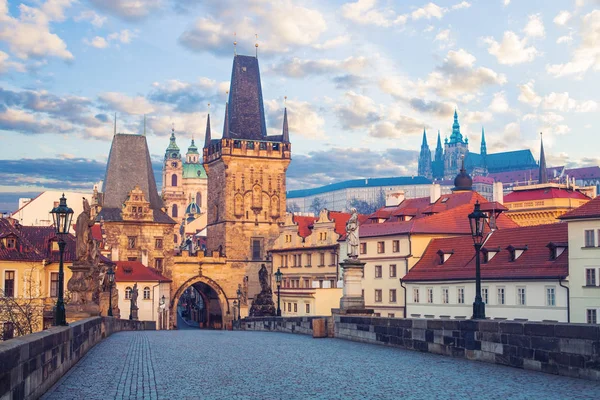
(543, 178)
(234, 44)
(226, 122)
(144, 124)
(207, 135)
(424, 144)
(256, 44)
(115, 128)
(286, 133)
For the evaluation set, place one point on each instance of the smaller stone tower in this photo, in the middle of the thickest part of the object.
(425, 158)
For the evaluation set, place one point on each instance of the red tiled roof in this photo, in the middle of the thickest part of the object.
(97, 232)
(534, 263)
(340, 219)
(483, 179)
(304, 224)
(524, 175)
(591, 209)
(135, 271)
(34, 243)
(544, 193)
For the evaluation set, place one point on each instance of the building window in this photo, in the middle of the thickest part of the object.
(460, 295)
(308, 308)
(392, 295)
(9, 283)
(175, 239)
(321, 259)
(396, 246)
(127, 293)
(378, 295)
(592, 316)
(484, 295)
(256, 249)
(333, 256)
(158, 264)
(174, 180)
(391, 315)
(174, 211)
(380, 247)
(589, 238)
(131, 242)
(53, 284)
(309, 260)
(158, 243)
(295, 307)
(445, 295)
(430, 295)
(378, 273)
(332, 283)
(415, 295)
(501, 296)
(288, 238)
(363, 248)
(550, 296)
(590, 277)
(521, 296)
(11, 243)
(146, 293)
(289, 307)
(307, 283)
(392, 270)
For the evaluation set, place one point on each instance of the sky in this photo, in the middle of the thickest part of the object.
(360, 79)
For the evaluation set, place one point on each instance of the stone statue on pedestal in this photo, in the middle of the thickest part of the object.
(85, 246)
(134, 308)
(263, 305)
(352, 235)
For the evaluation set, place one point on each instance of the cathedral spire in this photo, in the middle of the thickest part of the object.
(456, 136)
(439, 142)
(424, 144)
(207, 137)
(483, 144)
(286, 132)
(543, 178)
(226, 122)
(425, 165)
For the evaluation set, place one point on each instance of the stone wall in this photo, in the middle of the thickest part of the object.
(300, 325)
(31, 364)
(555, 348)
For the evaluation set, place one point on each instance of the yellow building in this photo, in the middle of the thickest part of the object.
(544, 203)
(29, 276)
(307, 252)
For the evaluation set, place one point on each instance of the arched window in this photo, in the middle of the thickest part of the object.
(174, 210)
(127, 293)
(146, 293)
(199, 199)
(174, 180)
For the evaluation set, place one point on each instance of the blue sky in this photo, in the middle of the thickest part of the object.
(362, 80)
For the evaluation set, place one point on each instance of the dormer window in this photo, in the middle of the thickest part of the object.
(444, 255)
(489, 253)
(11, 243)
(515, 251)
(556, 249)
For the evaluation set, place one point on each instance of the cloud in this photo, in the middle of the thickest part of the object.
(461, 5)
(437, 108)
(332, 43)
(527, 94)
(320, 167)
(444, 38)
(283, 26)
(363, 12)
(89, 15)
(357, 112)
(563, 102)
(99, 42)
(6, 65)
(565, 39)
(511, 50)
(562, 18)
(396, 127)
(535, 27)
(587, 55)
(429, 11)
(499, 103)
(29, 35)
(187, 97)
(130, 10)
(349, 81)
(300, 68)
(121, 102)
(303, 119)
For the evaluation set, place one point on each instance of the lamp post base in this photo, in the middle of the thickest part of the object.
(478, 310)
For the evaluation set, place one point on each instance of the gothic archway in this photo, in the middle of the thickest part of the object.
(208, 309)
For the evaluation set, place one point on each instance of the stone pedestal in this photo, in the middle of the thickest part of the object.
(352, 301)
(81, 289)
(133, 314)
(104, 303)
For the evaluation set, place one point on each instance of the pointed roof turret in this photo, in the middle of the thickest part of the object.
(286, 132)
(226, 122)
(543, 178)
(424, 143)
(456, 136)
(483, 144)
(207, 135)
(439, 142)
(172, 149)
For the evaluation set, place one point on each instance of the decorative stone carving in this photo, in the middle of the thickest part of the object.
(83, 233)
(263, 305)
(134, 308)
(352, 238)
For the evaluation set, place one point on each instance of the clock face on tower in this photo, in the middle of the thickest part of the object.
(174, 155)
(174, 164)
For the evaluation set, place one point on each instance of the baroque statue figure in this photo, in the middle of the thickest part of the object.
(85, 246)
(134, 296)
(352, 235)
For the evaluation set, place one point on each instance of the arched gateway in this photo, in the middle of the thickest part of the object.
(211, 297)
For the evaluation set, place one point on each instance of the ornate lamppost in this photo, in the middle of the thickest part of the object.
(111, 279)
(161, 307)
(278, 277)
(62, 216)
(235, 306)
(239, 300)
(477, 222)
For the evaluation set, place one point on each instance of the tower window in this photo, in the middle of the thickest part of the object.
(174, 210)
(174, 180)
(199, 198)
(256, 249)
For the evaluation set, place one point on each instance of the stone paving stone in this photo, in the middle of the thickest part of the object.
(194, 364)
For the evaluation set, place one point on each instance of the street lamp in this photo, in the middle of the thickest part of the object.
(278, 276)
(161, 306)
(477, 222)
(62, 216)
(239, 299)
(235, 305)
(111, 279)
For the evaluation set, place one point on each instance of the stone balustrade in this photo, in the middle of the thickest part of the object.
(31, 364)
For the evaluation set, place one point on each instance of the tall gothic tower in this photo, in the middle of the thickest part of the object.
(425, 158)
(172, 189)
(246, 174)
(455, 151)
(438, 162)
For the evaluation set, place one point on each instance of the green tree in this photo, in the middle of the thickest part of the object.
(292, 208)
(317, 205)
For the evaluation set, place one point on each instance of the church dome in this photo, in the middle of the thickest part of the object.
(463, 181)
(192, 208)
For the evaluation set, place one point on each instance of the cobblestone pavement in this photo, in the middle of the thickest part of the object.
(200, 364)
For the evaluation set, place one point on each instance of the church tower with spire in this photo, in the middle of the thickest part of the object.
(438, 162)
(455, 151)
(425, 158)
(246, 177)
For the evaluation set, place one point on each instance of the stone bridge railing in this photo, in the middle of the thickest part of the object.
(31, 364)
(556, 348)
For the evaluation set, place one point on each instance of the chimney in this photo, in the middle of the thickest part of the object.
(394, 198)
(435, 192)
(145, 257)
(115, 254)
(498, 192)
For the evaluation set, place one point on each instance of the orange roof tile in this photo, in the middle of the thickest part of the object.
(544, 193)
(591, 209)
(135, 271)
